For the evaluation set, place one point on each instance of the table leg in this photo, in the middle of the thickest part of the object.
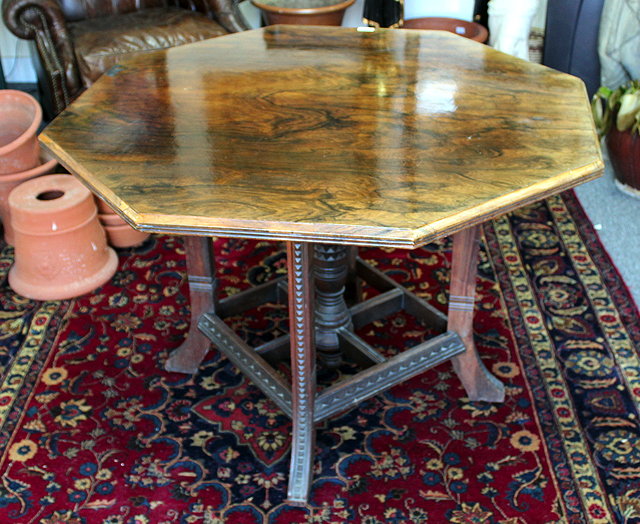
(476, 379)
(331, 267)
(202, 292)
(303, 371)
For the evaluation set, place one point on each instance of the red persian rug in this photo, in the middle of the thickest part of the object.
(93, 430)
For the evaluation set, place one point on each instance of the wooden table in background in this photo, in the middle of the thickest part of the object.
(326, 138)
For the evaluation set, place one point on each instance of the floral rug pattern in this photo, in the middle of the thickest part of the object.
(93, 430)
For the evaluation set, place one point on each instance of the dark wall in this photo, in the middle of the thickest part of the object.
(571, 39)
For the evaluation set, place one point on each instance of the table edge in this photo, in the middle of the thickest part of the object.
(333, 233)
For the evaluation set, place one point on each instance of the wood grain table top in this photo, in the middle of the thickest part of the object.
(390, 137)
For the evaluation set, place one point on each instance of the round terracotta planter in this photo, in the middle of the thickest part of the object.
(9, 182)
(123, 235)
(20, 118)
(103, 207)
(119, 232)
(60, 247)
(303, 12)
(110, 219)
(471, 30)
(624, 155)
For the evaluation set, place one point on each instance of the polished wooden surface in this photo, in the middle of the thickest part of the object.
(327, 134)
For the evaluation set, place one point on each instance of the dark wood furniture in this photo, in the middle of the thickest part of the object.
(326, 138)
(78, 40)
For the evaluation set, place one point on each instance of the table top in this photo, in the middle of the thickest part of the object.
(390, 137)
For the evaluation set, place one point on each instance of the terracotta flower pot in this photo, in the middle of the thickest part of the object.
(103, 207)
(20, 118)
(111, 219)
(119, 232)
(8, 182)
(60, 248)
(624, 154)
(303, 12)
(123, 235)
(471, 30)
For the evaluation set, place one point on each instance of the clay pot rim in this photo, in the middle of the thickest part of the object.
(111, 219)
(33, 127)
(303, 10)
(118, 227)
(67, 184)
(50, 216)
(482, 32)
(125, 236)
(48, 163)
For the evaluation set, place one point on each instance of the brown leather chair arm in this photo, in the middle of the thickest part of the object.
(226, 12)
(43, 22)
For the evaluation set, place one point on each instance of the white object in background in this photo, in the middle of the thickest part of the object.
(250, 13)
(619, 42)
(16, 58)
(540, 18)
(510, 25)
(461, 9)
(353, 14)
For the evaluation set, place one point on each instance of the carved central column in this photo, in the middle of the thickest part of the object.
(331, 313)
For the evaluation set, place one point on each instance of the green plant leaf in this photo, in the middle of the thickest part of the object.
(597, 111)
(621, 104)
(604, 92)
(601, 113)
(629, 108)
(614, 99)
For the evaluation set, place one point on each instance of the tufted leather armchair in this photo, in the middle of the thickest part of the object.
(77, 40)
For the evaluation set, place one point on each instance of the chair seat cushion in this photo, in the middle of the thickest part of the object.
(101, 42)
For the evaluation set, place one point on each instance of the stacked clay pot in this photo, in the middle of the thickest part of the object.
(8, 182)
(60, 248)
(21, 116)
(119, 232)
(20, 156)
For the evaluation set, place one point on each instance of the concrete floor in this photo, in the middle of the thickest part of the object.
(616, 217)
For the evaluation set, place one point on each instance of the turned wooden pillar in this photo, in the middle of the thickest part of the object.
(330, 271)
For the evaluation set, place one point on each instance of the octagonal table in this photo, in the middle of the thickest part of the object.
(326, 138)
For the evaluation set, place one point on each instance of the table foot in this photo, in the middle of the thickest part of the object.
(186, 358)
(202, 288)
(478, 382)
(303, 371)
(476, 379)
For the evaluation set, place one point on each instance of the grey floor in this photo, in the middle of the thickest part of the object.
(616, 217)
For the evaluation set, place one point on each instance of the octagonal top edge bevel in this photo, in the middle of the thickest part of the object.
(289, 130)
